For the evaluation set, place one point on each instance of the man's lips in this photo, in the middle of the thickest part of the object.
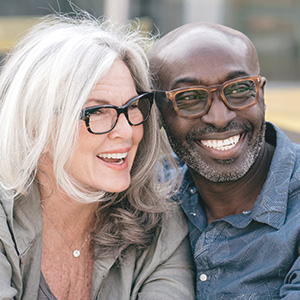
(113, 158)
(222, 144)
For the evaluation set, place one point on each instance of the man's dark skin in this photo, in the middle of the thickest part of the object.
(228, 180)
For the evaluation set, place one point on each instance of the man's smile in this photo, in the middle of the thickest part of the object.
(222, 145)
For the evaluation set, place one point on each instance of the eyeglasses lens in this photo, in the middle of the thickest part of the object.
(238, 94)
(104, 119)
(192, 101)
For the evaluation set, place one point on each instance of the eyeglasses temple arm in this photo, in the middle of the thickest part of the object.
(160, 94)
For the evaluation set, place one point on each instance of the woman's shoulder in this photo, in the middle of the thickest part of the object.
(6, 203)
(171, 235)
(167, 259)
(174, 227)
(9, 260)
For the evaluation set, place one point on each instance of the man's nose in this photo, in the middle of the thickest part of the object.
(218, 115)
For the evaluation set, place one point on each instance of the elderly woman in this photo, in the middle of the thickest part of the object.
(84, 213)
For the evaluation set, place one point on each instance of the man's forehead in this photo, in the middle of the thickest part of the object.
(190, 42)
(201, 51)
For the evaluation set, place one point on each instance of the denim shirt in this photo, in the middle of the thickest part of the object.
(253, 255)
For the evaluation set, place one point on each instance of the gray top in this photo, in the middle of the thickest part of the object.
(163, 271)
(44, 292)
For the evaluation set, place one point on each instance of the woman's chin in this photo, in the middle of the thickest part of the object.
(115, 187)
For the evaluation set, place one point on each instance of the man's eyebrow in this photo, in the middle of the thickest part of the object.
(235, 74)
(183, 80)
(195, 81)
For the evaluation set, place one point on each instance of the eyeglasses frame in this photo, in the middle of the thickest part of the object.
(170, 95)
(86, 112)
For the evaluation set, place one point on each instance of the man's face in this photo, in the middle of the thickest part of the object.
(223, 144)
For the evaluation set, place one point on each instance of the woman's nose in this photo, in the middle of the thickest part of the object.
(122, 128)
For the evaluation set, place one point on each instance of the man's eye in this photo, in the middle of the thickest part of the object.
(191, 100)
(239, 88)
(193, 95)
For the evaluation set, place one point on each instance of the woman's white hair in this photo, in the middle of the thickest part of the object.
(44, 83)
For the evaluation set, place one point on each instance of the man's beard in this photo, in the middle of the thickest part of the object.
(193, 158)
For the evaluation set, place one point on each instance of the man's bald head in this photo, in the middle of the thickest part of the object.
(212, 42)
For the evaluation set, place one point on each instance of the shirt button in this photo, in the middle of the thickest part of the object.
(203, 277)
(247, 212)
(192, 190)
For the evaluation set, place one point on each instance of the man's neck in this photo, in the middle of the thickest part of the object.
(229, 198)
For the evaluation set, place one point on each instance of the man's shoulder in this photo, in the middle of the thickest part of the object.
(285, 167)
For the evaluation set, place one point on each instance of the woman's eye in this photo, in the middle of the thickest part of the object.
(98, 112)
(133, 106)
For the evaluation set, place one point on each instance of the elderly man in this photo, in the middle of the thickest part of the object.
(241, 175)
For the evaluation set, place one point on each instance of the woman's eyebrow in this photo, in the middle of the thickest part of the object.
(96, 101)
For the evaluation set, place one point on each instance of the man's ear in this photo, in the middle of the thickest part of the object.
(262, 90)
(263, 83)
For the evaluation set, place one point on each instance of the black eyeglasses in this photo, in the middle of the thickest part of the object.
(103, 118)
(195, 101)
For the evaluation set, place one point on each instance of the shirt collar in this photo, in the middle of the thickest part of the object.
(271, 204)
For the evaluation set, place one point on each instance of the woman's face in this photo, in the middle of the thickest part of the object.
(103, 162)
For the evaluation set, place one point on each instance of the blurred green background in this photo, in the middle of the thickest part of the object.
(272, 25)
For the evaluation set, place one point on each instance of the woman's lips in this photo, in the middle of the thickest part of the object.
(113, 158)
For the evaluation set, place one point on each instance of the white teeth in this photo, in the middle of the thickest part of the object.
(222, 145)
(113, 155)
